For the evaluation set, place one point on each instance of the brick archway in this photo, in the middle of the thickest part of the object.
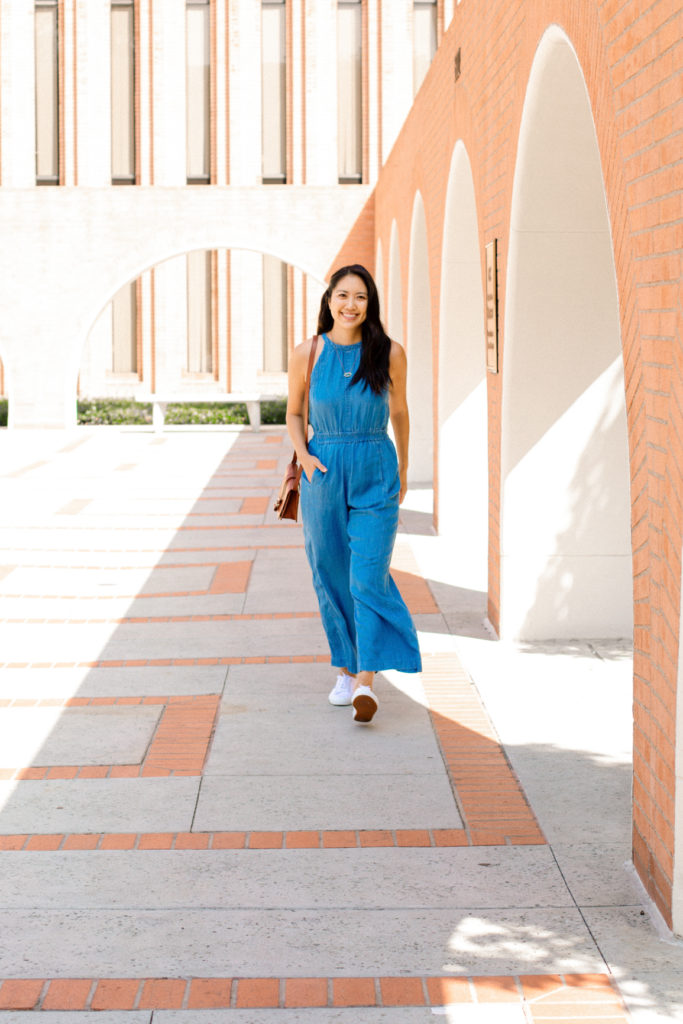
(566, 555)
(462, 449)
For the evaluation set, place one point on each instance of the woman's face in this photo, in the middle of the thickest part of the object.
(349, 301)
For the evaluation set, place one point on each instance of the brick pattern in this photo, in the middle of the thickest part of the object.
(333, 839)
(490, 798)
(179, 745)
(588, 997)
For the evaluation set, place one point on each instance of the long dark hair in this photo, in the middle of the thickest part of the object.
(373, 369)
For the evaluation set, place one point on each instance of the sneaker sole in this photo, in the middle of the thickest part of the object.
(364, 708)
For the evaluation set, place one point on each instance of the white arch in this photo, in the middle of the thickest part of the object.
(84, 244)
(565, 516)
(394, 312)
(463, 444)
(419, 347)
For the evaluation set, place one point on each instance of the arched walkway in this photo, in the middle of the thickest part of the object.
(419, 347)
(216, 320)
(566, 551)
(463, 453)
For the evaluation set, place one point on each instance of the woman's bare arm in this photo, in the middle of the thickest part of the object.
(296, 376)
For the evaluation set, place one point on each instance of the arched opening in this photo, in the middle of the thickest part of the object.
(394, 314)
(209, 321)
(420, 390)
(463, 445)
(565, 535)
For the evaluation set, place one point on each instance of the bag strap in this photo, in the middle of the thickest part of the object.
(309, 371)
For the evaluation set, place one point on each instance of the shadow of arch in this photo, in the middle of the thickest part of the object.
(395, 292)
(565, 535)
(238, 303)
(419, 347)
(463, 431)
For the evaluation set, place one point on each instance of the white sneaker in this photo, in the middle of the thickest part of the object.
(365, 704)
(342, 692)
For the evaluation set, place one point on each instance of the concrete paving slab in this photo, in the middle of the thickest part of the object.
(333, 801)
(653, 997)
(239, 554)
(281, 580)
(273, 736)
(98, 805)
(109, 641)
(273, 684)
(92, 735)
(599, 874)
(629, 942)
(569, 792)
(306, 943)
(259, 637)
(281, 535)
(83, 608)
(150, 681)
(99, 582)
(162, 504)
(79, 1017)
(488, 1013)
(417, 878)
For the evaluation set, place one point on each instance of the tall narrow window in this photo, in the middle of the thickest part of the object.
(124, 321)
(199, 331)
(349, 90)
(274, 315)
(424, 39)
(47, 91)
(123, 92)
(273, 91)
(198, 105)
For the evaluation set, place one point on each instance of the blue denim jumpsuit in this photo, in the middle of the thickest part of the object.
(350, 517)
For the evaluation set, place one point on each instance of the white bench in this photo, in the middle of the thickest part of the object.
(161, 400)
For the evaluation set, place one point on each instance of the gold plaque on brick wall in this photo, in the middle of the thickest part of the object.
(492, 307)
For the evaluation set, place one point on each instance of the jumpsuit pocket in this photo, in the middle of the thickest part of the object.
(389, 462)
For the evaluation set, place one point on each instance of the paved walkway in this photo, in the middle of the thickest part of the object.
(190, 832)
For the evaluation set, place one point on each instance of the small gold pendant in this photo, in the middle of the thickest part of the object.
(347, 374)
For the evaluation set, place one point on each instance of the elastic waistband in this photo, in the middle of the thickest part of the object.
(349, 436)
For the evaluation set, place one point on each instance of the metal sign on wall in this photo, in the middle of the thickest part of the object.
(492, 307)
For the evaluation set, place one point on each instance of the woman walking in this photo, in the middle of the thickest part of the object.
(352, 485)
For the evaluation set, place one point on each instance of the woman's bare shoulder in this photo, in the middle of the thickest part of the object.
(397, 353)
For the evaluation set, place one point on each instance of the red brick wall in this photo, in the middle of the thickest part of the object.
(631, 54)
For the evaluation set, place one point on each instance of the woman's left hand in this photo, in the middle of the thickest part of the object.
(403, 477)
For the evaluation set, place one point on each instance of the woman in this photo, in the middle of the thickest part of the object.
(352, 484)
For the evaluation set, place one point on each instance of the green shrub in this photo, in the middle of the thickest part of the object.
(206, 412)
(125, 411)
(113, 411)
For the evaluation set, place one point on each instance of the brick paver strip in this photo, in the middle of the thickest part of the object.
(295, 840)
(548, 997)
(494, 808)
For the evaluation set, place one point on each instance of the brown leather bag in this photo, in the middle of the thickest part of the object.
(287, 504)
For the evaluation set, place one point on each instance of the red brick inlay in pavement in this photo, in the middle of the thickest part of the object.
(256, 840)
(179, 745)
(492, 803)
(548, 998)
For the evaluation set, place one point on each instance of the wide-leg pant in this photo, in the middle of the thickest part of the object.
(350, 518)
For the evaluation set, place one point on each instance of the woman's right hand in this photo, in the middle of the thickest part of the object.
(309, 464)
